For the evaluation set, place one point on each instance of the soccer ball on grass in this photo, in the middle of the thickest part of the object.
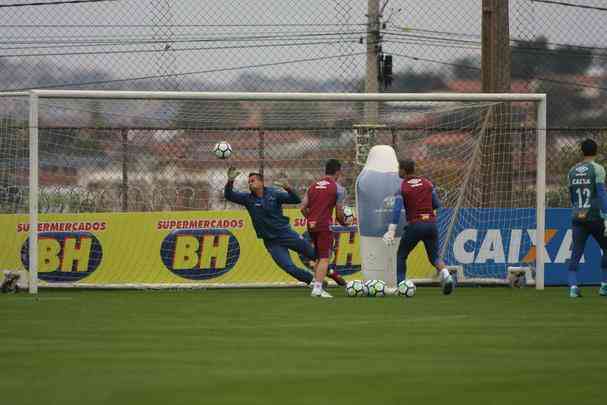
(355, 288)
(406, 288)
(377, 288)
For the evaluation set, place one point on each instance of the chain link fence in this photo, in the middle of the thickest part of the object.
(318, 45)
(271, 45)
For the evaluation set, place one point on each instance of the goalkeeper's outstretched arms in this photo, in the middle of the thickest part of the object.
(228, 191)
(290, 197)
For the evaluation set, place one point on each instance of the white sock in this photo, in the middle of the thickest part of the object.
(317, 285)
(444, 273)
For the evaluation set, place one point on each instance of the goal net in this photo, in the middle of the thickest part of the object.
(130, 194)
(14, 181)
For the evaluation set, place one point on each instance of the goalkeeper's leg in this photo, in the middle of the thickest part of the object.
(304, 248)
(281, 256)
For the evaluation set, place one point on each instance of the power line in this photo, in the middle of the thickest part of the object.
(52, 3)
(72, 43)
(219, 70)
(562, 3)
(133, 51)
(436, 61)
(514, 40)
(179, 25)
(539, 78)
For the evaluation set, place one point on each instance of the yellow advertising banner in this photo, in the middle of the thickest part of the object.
(166, 248)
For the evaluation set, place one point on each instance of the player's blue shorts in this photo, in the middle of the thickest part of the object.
(580, 231)
(416, 232)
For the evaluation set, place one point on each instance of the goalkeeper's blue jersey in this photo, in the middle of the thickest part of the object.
(266, 211)
(584, 179)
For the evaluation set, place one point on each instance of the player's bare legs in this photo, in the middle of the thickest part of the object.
(323, 241)
(320, 272)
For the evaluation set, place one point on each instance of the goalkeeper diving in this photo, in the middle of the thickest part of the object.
(264, 205)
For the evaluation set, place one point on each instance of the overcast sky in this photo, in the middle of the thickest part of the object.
(322, 29)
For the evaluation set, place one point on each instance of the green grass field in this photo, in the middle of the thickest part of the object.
(479, 346)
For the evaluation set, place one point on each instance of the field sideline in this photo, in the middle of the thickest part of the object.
(481, 345)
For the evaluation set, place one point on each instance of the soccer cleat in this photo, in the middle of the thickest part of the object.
(321, 294)
(574, 292)
(335, 276)
(603, 290)
(448, 285)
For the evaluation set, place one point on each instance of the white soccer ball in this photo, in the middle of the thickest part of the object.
(376, 288)
(355, 288)
(406, 288)
(222, 150)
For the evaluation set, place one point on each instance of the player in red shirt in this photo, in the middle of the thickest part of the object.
(320, 200)
(420, 202)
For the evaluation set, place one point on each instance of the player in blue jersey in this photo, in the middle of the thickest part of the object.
(264, 205)
(589, 217)
(419, 199)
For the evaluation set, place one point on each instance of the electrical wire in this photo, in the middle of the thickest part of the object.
(171, 49)
(53, 3)
(218, 70)
(563, 3)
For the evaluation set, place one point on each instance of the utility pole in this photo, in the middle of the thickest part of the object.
(496, 78)
(495, 59)
(372, 81)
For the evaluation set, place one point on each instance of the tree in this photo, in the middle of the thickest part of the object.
(525, 62)
(466, 68)
(411, 81)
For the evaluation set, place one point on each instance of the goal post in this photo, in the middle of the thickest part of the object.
(103, 154)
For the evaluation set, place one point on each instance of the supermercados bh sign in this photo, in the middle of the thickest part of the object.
(221, 247)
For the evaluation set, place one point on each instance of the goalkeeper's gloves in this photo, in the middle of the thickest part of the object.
(390, 235)
(232, 173)
(282, 184)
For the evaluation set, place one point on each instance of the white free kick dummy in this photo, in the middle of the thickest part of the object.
(376, 187)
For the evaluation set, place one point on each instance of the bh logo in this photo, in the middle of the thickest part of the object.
(200, 254)
(65, 256)
(345, 257)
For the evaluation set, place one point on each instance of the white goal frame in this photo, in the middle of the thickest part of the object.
(540, 101)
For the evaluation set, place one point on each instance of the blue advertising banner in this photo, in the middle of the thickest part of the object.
(487, 241)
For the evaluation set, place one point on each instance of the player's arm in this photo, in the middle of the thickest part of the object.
(396, 210)
(305, 206)
(339, 206)
(602, 194)
(228, 191)
(436, 204)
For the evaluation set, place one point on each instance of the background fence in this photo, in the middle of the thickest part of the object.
(268, 45)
